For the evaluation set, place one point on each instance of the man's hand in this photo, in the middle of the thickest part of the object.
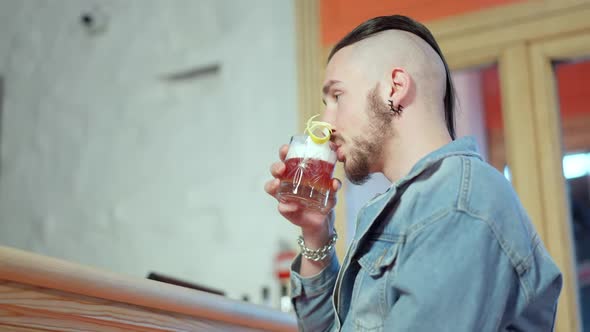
(315, 226)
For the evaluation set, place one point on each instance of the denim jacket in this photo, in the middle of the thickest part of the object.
(446, 248)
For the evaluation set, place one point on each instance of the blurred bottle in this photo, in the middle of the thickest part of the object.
(266, 297)
(286, 305)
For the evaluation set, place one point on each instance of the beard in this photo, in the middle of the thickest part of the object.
(368, 149)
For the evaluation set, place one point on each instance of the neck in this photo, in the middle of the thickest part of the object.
(409, 145)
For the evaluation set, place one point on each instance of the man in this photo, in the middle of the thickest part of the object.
(448, 247)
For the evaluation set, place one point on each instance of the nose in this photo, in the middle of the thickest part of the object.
(328, 116)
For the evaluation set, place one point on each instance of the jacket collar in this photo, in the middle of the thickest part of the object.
(465, 146)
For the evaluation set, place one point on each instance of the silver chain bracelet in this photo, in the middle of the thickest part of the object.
(319, 254)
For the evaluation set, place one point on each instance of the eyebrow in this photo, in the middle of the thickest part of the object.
(327, 87)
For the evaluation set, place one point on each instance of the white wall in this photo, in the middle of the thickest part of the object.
(104, 163)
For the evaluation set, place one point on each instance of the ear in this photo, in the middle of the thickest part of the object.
(400, 86)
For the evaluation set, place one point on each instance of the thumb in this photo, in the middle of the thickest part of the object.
(336, 184)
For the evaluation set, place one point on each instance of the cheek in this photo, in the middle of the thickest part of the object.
(354, 108)
(348, 116)
(351, 119)
(346, 113)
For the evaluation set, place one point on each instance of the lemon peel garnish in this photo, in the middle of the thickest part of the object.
(325, 129)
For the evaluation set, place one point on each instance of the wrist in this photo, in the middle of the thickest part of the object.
(317, 236)
(315, 239)
(320, 253)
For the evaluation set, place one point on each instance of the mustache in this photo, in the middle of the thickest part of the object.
(336, 139)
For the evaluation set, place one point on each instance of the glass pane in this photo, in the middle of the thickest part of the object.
(574, 94)
(478, 114)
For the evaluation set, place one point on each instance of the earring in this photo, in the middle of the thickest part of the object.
(396, 111)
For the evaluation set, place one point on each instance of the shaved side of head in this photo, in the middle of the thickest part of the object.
(390, 49)
(386, 42)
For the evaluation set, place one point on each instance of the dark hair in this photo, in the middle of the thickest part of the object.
(399, 22)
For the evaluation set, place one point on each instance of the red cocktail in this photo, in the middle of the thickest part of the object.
(308, 175)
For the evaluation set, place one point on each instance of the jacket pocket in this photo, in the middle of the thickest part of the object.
(380, 256)
(371, 298)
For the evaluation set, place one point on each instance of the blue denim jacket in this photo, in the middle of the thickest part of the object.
(446, 248)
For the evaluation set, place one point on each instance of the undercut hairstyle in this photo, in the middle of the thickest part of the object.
(404, 23)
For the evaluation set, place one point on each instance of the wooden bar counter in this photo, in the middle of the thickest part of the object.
(39, 293)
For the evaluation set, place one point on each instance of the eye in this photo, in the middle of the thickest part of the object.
(337, 97)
